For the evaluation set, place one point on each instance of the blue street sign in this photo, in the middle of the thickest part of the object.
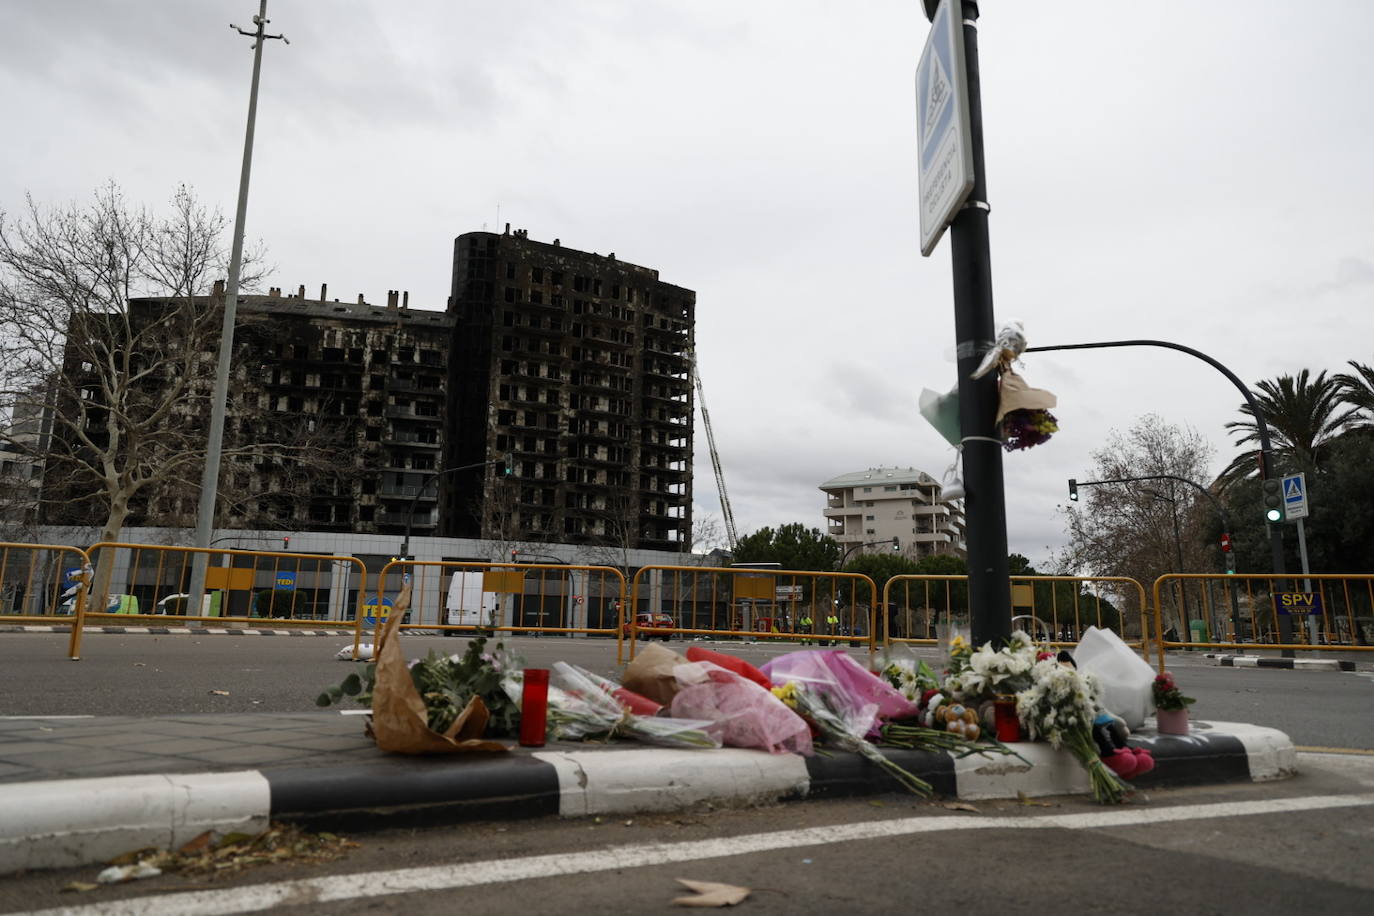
(1294, 497)
(1298, 603)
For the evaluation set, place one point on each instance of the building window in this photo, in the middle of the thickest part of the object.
(536, 275)
(868, 518)
(510, 271)
(868, 490)
(889, 489)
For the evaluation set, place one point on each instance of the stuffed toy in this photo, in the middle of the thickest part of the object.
(1109, 732)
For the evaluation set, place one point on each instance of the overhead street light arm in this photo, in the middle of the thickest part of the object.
(410, 512)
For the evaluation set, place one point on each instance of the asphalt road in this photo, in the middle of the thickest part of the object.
(147, 675)
(1301, 845)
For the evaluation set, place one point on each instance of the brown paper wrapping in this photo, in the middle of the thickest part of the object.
(399, 723)
(651, 673)
(1015, 394)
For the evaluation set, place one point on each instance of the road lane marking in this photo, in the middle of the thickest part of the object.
(1334, 750)
(259, 897)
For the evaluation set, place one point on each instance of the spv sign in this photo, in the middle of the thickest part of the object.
(1300, 603)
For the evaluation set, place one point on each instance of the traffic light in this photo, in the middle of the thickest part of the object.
(1272, 490)
(286, 543)
(1073, 490)
(505, 467)
(896, 543)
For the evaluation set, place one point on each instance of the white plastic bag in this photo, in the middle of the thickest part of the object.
(1125, 677)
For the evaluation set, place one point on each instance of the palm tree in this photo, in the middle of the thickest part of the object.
(1357, 391)
(1304, 415)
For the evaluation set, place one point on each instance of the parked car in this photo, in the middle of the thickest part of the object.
(651, 625)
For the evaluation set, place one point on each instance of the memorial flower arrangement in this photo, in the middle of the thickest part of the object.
(446, 683)
(1167, 695)
(821, 711)
(1059, 707)
(1022, 429)
(982, 674)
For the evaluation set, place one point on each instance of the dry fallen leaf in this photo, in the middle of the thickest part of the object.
(79, 887)
(961, 806)
(1025, 799)
(709, 893)
(199, 843)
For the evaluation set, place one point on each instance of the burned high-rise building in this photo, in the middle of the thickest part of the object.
(352, 417)
(574, 367)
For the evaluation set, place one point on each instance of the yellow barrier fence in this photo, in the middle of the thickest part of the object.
(1060, 607)
(457, 598)
(43, 584)
(142, 584)
(813, 608)
(1325, 612)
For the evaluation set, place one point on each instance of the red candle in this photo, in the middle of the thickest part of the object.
(1004, 713)
(534, 707)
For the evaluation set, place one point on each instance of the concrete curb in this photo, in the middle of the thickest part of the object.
(64, 823)
(1302, 664)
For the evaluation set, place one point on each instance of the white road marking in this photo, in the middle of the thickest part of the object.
(255, 898)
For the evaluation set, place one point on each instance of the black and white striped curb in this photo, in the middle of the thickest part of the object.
(1305, 664)
(180, 631)
(63, 823)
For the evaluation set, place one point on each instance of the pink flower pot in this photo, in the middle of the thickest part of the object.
(1172, 721)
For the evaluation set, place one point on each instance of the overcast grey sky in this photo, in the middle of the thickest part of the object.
(1190, 171)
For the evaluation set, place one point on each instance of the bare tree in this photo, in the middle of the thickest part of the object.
(1148, 528)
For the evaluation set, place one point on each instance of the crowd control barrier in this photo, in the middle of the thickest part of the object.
(1321, 612)
(465, 598)
(43, 584)
(804, 606)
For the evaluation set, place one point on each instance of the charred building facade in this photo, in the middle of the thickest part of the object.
(575, 368)
(572, 366)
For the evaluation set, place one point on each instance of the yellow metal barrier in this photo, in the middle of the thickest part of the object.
(734, 603)
(1061, 606)
(147, 583)
(457, 597)
(1329, 612)
(44, 584)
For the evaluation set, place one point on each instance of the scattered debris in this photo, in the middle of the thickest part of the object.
(118, 874)
(79, 887)
(204, 855)
(219, 693)
(709, 893)
(960, 806)
(1024, 799)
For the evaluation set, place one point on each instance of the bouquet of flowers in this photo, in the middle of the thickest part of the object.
(1060, 706)
(582, 705)
(1167, 695)
(846, 732)
(987, 672)
(911, 676)
(1023, 429)
(447, 683)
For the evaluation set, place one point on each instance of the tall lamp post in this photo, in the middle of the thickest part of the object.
(209, 481)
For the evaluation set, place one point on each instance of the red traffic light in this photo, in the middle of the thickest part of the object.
(1226, 542)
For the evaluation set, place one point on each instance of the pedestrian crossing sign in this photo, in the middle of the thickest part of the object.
(1294, 496)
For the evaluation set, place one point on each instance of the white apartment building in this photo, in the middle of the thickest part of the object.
(882, 503)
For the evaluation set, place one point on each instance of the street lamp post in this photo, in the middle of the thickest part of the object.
(209, 481)
(895, 542)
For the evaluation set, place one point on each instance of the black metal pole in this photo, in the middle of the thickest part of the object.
(985, 506)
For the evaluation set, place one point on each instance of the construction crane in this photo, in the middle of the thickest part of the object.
(728, 515)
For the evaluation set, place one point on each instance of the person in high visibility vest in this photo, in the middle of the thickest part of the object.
(806, 626)
(832, 623)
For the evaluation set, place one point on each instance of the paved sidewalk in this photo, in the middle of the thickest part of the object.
(82, 790)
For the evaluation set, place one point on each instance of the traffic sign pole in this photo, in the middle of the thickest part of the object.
(985, 508)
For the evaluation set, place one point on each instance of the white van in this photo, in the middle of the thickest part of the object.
(467, 605)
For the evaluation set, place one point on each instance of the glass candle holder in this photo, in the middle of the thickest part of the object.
(534, 707)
